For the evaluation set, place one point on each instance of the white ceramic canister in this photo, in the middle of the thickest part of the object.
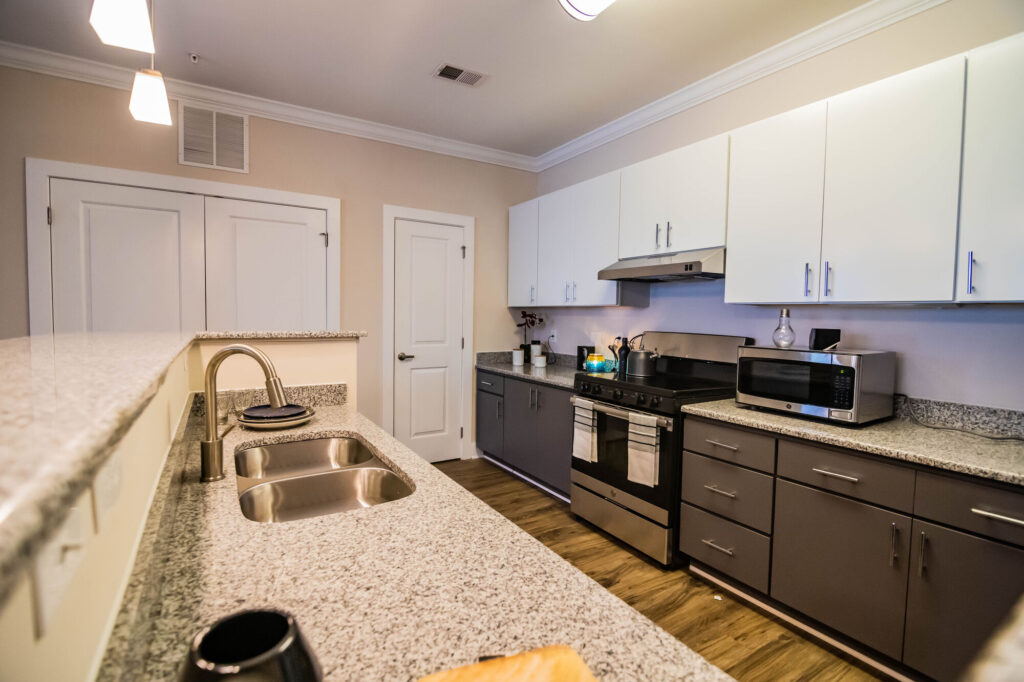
(517, 357)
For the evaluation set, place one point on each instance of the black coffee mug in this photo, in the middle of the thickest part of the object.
(264, 646)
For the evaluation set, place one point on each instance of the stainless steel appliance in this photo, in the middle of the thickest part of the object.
(689, 368)
(700, 264)
(847, 386)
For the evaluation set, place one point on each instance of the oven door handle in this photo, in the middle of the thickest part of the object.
(663, 422)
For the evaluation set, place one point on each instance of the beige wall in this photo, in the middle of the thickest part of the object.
(948, 29)
(63, 120)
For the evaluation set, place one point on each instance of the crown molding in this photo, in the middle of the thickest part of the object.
(97, 73)
(845, 28)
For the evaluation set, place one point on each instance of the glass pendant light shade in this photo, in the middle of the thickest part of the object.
(123, 23)
(149, 98)
(584, 10)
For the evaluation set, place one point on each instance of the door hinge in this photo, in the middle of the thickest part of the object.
(460, 432)
(463, 253)
(49, 215)
(326, 238)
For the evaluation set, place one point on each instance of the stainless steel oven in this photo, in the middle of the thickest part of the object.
(643, 516)
(847, 386)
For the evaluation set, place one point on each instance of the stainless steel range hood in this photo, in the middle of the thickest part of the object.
(699, 264)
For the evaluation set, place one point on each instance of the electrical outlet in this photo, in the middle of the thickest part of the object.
(554, 335)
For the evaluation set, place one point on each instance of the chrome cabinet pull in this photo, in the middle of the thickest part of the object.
(567, 292)
(531, 293)
(892, 548)
(843, 477)
(574, 292)
(997, 517)
(920, 559)
(970, 272)
(530, 404)
(722, 445)
(668, 234)
(807, 279)
(724, 493)
(828, 270)
(657, 235)
(486, 383)
(712, 545)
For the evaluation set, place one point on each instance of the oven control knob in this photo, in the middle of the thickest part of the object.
(584, 388)
(596, 390)
(641, 399)
(617, 394)
(655, 401)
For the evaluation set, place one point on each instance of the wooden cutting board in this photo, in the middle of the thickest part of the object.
(548, 664)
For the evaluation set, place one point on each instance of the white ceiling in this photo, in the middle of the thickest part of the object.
(550, 78)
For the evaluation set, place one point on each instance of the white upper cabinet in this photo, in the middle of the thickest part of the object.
(992, 202)
(892, 174)
(578, 226)
(676, 201)
(522, 253)
(776, 176)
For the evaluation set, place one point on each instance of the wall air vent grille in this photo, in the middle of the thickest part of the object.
(458, 74)
(213, 139)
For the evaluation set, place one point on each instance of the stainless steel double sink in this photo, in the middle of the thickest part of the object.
(307, 478)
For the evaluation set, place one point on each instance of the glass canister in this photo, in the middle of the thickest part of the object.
(595, 363)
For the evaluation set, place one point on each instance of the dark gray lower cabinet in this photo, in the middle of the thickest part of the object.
(489, 423)
(961, 588)
(842, 562)
(538, 432)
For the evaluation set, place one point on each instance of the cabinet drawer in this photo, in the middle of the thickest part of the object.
(951, 500)
(731, 444)
(732, 549)
(739, 494)
(861, 477)
(492, 383)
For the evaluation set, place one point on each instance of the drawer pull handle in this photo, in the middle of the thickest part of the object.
(724, 493)
(712, 545)
(892, 547)
(722, 445)
(920, 558)
(486, 383)
(843, 477)
(997, 517)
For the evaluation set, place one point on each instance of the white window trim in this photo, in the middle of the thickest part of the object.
(38, 173)
(467, 448)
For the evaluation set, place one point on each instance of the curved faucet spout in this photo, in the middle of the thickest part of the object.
(212, 448)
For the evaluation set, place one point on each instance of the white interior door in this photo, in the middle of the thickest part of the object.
(428, 338)
(125, 258)
(266, 266)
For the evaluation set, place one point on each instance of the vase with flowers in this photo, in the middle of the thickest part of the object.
(528, 322)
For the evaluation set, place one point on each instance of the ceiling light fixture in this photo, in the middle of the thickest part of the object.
(149, 95)
(585, 10)
(123, 23)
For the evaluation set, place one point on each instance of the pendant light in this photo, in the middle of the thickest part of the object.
(585, 10)
(149, 95)
(122, 23)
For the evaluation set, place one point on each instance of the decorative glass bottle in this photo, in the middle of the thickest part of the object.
(783, 336)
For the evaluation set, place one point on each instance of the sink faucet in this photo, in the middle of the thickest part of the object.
(212, 448)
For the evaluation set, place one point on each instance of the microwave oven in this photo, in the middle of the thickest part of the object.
(846, 386)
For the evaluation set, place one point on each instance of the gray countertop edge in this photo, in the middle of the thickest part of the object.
(897, 439)
(205, 336)
(561, 376)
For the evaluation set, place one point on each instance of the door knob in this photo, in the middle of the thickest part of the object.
(403, 356)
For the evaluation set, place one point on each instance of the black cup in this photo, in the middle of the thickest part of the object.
(263, 646)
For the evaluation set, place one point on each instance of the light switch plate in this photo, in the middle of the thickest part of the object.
(106, 488)
(56, 562)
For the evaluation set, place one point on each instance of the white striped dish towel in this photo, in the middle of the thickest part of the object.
(642, 449)
(584, 433)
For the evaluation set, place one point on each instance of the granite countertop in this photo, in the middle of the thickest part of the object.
(281, 335)
(67, 400)
(393, 592)
(554, 375)
(902, 439)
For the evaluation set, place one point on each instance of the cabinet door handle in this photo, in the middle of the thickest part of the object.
(722, 445)
(530, 403)
(574, 292)
(920, 558)
(842, 477)
(828, 270)
(807, 279)
(892, 546)
(657, 235)
(997, 517)
(970, 272)
(497, 410)
(724, 493)
(566, 292)
(712, 545)
(531, 293)
(668, 234)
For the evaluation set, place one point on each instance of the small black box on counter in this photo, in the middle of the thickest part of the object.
(581, 356)
(823, 338)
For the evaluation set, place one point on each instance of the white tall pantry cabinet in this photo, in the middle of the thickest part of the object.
(992, 201)
(776, 175)
(522, 253)
(892, 174)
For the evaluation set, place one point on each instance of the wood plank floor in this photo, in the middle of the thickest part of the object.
(745, 643)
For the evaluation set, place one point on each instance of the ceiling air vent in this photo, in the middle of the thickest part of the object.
(458, 74)
(213, 139)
